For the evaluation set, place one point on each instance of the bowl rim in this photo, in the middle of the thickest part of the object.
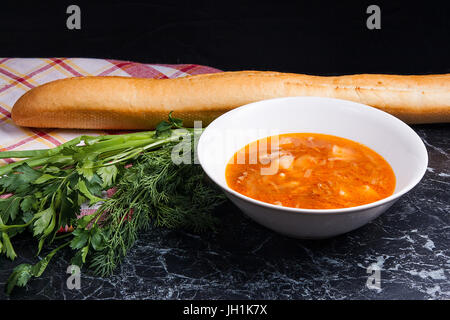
(391, 198)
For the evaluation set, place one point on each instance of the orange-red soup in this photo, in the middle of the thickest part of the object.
(311, 171)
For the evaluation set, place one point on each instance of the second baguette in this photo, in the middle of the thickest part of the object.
(134, 103)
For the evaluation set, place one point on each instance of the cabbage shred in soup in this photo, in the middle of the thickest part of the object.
(310, 171)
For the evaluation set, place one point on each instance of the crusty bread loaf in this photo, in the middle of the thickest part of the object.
(133, 103)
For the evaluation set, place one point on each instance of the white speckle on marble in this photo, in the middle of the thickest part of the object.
(381, 260)
(432, 291)
(429, 244)
(433, 274)
(440, 150)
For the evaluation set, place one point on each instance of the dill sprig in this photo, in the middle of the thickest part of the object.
(155, 191)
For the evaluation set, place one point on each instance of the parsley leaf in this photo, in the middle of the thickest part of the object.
(80, 239)
(9, 208)
(87, 193)
(44, 178)
(24, 272)
(7, 246)
(108, 175)
(86, 170)
(163, 129)
(44, 218)
(20, 179)
(20, 276)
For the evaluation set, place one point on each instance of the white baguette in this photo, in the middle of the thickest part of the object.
(133, 103)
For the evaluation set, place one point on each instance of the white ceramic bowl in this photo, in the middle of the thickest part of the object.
(383, 133)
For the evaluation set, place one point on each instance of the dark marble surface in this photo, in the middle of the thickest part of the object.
(410, 243)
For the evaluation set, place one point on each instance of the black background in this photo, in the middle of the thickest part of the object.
(314, 37)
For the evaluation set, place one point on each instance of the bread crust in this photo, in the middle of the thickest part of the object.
(136, 103)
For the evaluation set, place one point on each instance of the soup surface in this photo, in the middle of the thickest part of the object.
(310, 171)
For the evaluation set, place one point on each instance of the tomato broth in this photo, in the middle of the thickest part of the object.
(310, 171)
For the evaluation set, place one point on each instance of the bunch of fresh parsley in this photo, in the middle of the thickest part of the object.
(43, 193)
